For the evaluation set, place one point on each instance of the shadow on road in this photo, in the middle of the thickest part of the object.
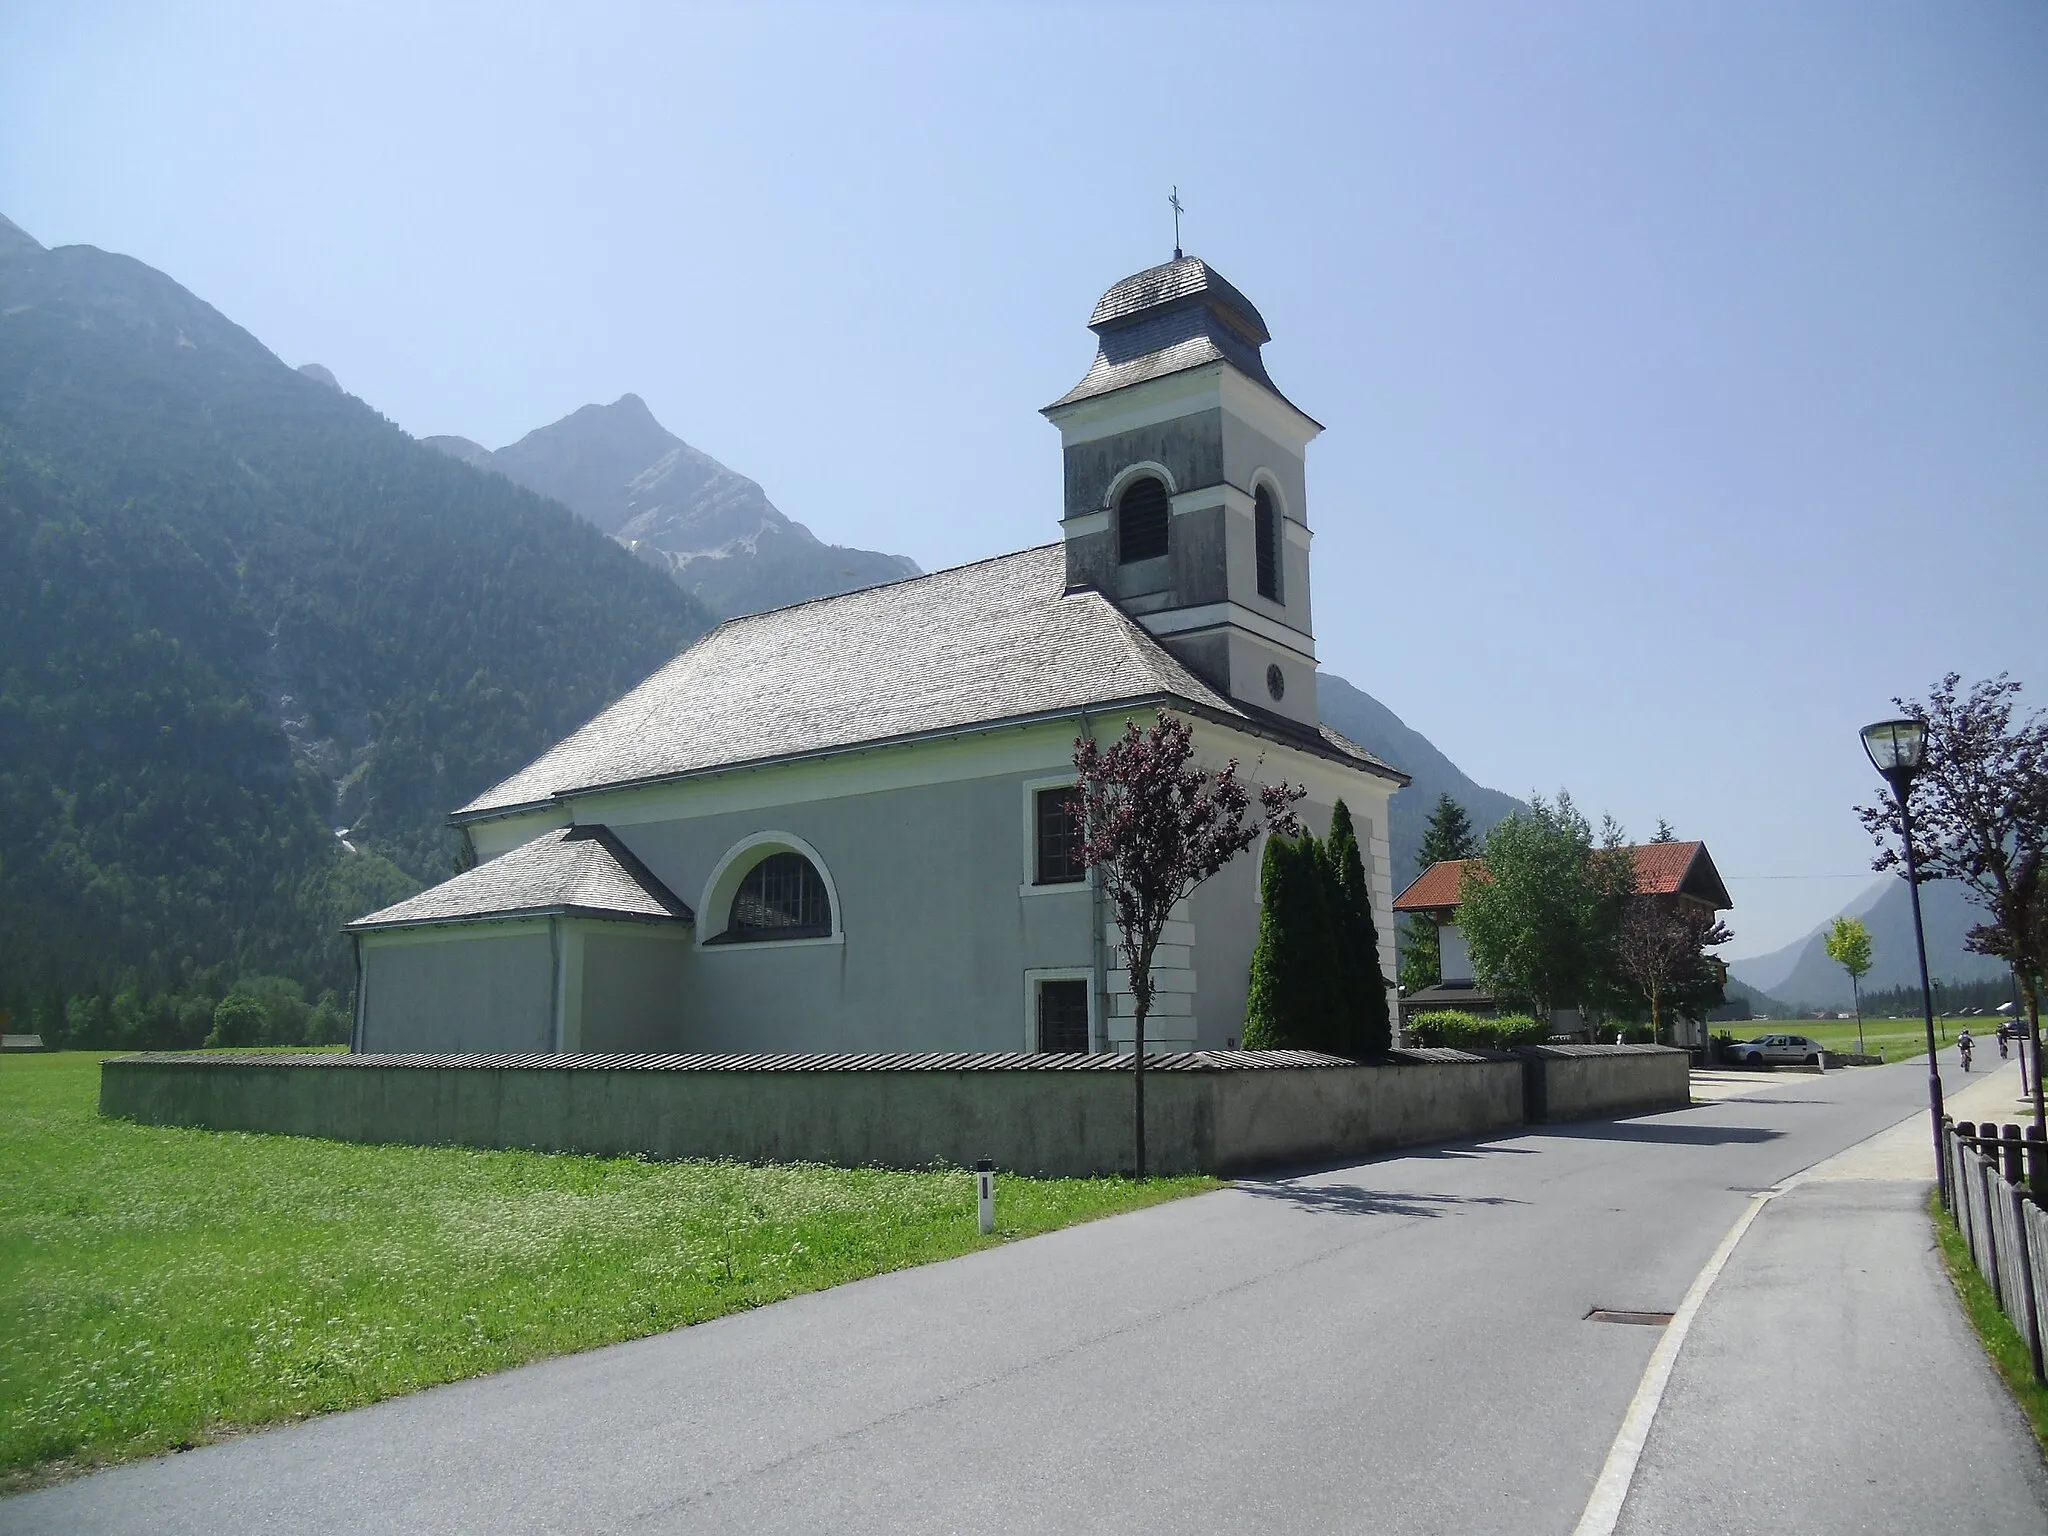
(1674, 1135)
(1355, 1200)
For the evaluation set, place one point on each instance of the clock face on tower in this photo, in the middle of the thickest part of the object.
(1276, 683)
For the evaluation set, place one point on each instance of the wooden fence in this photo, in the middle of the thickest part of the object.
(1996, 1182)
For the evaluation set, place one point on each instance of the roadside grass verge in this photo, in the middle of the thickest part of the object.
(2003, 1342)
(163, 1287)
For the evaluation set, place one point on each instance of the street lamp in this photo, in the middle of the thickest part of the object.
(1897, 750)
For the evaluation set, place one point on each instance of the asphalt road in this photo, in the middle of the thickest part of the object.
(1394, 1347)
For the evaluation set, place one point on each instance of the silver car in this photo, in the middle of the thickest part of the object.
(1767, 1050)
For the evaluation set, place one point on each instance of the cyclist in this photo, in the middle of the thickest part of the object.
(2004, 1051)
(1964, 1045)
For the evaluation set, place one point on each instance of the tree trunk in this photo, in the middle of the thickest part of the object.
(1142, 1007)
(1856, 993)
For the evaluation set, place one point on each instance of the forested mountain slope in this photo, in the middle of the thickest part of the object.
(239, 611)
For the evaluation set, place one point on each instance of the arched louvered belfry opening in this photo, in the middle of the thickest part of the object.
(1142, 514)
(1267, 517)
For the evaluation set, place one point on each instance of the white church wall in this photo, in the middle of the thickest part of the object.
(468, 987)
(934, 935)
(502, 834)
(633, 987)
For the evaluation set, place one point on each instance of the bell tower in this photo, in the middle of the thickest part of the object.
(1186, 495)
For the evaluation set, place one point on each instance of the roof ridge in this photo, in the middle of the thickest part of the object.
(878, 586)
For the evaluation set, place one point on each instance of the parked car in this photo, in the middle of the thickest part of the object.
(1767, 1050)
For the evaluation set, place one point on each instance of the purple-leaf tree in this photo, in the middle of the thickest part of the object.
(1155, 827)
(1980, 816)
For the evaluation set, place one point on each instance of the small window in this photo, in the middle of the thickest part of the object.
(1141, 518)
(782, 897)
(1058, 838)
(1268, 519)
(1063, 1017)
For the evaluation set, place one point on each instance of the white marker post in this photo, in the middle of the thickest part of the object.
(985, 1189)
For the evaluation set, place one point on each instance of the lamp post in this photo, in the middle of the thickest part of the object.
(1897, 749)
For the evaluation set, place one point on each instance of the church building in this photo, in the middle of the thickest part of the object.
(845, 825)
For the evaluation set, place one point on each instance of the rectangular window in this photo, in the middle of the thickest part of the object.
(1063, 1017)
(1058, 841)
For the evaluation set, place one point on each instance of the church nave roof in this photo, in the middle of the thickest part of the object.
(997, 641)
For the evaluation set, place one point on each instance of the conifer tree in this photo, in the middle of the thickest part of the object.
(1295, 1003)
(1363, 984)
(1448, 834)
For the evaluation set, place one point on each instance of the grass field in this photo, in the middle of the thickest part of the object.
(161, 1287)
(1899, 1039)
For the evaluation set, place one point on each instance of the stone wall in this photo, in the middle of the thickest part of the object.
(1218, 1112)
(1588, 1082)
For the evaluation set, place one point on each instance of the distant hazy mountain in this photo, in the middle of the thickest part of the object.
(1378, 729)
(1802, 974)
(680, 510)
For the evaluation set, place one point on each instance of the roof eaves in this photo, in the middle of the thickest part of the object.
(518, 914)
(1084, 391)
(1307, 741)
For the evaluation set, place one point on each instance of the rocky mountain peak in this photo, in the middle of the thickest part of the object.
(14, 240)
(679, 509)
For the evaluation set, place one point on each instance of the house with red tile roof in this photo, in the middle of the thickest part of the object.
(1681, 872)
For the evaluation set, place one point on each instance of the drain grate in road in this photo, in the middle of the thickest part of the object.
(1617, 1315)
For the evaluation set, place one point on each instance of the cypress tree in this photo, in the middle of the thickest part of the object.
(1294, 1004)
(1368, 1028)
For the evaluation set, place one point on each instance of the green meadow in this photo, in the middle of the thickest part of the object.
(161, 1287)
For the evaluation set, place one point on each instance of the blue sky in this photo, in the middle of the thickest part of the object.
(1685, 368)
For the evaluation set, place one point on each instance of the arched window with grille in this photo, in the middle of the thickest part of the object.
(1267, 517)
(782, 897)
(1142, 515)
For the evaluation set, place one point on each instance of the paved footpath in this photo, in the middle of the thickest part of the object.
(1400, 1346)
(1830, 1382)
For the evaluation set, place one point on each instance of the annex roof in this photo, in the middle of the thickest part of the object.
(1662, 869)
(1167, 319)
(999, 641)
(574, 872)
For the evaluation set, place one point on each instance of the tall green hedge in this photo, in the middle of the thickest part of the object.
(1316, 983)
(1294, 1003)
(1369, 1028)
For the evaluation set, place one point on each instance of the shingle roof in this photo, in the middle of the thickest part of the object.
(1168, 319)
(577, 871)
(980, 644)
(1662, 869)
(1167, 283)
(1435, 888)
(794, 1061)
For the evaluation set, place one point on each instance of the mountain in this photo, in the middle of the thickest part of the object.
(680, 510)
(1380, 731)
(254, 640)
(1802, 974)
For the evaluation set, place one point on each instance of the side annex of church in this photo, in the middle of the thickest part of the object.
(844, 826)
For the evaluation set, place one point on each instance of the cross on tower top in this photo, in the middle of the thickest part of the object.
(1173, 202)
